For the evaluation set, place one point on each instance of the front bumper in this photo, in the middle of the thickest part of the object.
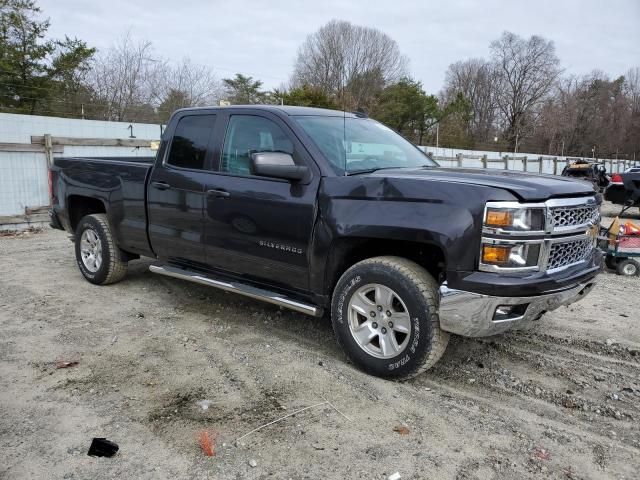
(474, 315)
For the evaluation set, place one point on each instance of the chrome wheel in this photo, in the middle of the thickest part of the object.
(379, 321)
(629, 269)
(91, 250)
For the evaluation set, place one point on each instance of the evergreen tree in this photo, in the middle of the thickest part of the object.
(38, 75)
(242, 90)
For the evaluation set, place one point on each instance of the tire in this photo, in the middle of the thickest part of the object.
(97, 255)
(611, 262)
(628, 267)
(413, 296)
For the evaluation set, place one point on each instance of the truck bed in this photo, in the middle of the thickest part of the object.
(119, 183)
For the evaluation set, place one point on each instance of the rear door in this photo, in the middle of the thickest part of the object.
(175, 193)
(257, 226)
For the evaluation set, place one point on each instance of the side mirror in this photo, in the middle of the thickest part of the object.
(277, 165)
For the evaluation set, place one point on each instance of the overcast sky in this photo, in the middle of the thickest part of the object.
(260, 38)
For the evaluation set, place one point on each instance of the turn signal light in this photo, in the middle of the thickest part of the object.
(493, 255)
(499, 218)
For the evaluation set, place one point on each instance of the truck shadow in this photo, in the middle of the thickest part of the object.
(315, 335)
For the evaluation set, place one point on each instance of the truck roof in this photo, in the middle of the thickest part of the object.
(286, 109)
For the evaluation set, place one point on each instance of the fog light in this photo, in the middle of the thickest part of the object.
(495, 255)
(509, 312)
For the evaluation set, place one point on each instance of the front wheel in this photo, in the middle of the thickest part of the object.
(97, 254)
(385, 317)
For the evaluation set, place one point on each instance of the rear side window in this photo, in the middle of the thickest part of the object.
(190, 140)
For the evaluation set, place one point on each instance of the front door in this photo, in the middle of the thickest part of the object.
(257, 226)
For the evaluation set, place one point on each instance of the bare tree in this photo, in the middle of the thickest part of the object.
(475, 79)
(130, 83)
(632, 87)
(519, 96)
(123, 80)
(555, 130)
(349, 61)
(527, 71)
(184, 85)
(592, 115)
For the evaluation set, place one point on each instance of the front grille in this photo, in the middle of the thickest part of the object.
(573, 216)
(562, 254)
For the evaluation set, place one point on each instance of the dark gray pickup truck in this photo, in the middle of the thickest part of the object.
(322, 211)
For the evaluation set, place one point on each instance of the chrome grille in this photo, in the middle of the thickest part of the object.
(562, 254)
(574, 216)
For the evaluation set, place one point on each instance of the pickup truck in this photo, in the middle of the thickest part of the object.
(624, 188)
(325, 211)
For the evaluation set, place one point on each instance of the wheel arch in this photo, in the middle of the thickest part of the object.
(79, 206)
(348, 251)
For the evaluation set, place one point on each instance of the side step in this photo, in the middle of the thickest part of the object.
(242, 289)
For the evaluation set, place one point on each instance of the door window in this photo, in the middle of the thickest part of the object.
(247, 134)
(190, 140)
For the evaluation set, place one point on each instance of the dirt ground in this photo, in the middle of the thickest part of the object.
(562, 401)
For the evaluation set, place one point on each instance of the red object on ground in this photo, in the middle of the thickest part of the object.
(207, 443)
(541, 454)
(62, 362)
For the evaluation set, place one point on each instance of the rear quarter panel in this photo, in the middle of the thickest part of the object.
(118, 184)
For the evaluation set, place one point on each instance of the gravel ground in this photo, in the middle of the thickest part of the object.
(562, 401)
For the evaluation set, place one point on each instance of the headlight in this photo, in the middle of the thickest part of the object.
(503, 218)
(514, 256)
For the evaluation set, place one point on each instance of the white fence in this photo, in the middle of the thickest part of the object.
(523, 162)
(23, 154)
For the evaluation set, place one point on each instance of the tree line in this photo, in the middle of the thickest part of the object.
(518, 99)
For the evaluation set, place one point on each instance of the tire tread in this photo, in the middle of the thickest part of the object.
(428, 288)
(117, 267)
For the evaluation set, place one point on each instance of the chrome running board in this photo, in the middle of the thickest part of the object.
(242, 289)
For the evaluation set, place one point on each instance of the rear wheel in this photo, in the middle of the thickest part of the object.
(628, 267)
(97, 255)
(385, 317)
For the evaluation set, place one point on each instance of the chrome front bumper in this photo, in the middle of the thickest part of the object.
(474, 315)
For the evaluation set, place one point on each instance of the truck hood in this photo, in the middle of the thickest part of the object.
(526, 186)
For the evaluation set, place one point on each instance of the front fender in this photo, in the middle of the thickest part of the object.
(442, 214)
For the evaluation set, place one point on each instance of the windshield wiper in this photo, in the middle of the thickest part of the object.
(371, 170)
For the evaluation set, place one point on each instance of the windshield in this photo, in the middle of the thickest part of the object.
(355, 145)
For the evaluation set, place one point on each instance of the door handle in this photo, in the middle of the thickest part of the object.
(161, 185)
(218, 193)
